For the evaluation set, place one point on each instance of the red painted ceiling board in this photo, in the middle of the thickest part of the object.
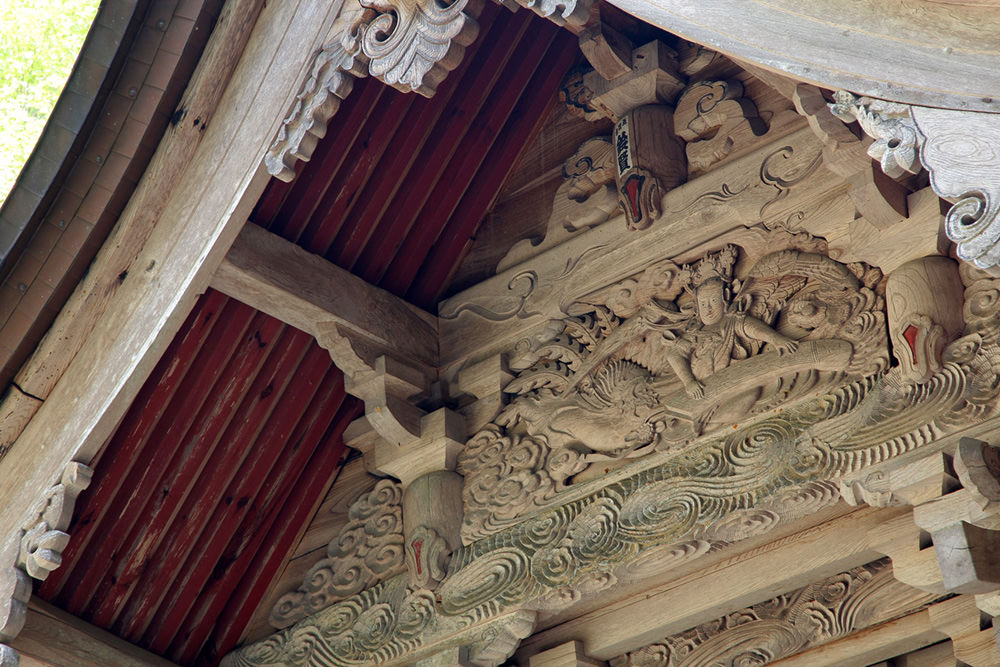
(248, 493)
(396, 217)
(313, 462)
(381, 129)
(446, 254)
(269, 560)
(199, 445)
(483, 131)
(119, 457)
(309, 189)
(278, 209)
(143, 481)
(286, 349)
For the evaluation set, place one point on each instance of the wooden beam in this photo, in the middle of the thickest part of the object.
(880, 642)
(53, 637)
(830, 42)
(285, 281)
(706, 594)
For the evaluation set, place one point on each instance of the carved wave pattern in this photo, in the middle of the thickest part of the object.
(373, 627)
(785, 625)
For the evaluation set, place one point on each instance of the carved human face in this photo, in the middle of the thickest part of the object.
(711, 301)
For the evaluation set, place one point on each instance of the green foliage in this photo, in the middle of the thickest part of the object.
(39, 42)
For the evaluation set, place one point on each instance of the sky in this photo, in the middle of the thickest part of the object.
(39, 42)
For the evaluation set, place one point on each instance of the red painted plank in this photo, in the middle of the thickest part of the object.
(235, 457)
(141, 483)
(195, 450)
(311, 188)
(483, 132)
(269, 559)
(379, 128)
(440, 140)
(124, 449)
(187, 638)
(446, 254)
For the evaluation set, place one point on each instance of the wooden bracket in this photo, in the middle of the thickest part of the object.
(607, 50)
(652, 79)
(951, 542)
(877, 197)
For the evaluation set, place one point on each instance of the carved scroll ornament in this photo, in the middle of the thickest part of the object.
(788, 624)
(958, 149)
(409, 44)
(369, 549)
(40, 550)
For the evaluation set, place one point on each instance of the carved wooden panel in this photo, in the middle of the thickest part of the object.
(788, 624)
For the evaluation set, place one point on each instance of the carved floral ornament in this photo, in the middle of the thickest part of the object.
(40, 548)
(960, 151)
(617, 381)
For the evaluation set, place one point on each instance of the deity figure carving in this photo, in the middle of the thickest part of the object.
(719, 333)
(659, 359)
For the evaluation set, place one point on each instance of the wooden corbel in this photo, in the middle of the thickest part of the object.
(634, 89)
(875, 195)
(951, 541)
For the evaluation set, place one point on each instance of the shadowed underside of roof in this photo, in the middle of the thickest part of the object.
(220, 463)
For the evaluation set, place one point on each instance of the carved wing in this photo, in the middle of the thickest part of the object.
(779, 276)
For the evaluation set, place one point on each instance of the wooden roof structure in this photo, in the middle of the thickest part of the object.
(265, 278)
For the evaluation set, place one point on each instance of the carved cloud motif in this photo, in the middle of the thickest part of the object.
(367, 550)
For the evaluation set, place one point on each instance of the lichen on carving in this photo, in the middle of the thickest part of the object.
(369, 549)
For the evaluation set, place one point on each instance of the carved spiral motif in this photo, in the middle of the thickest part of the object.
(544, 530)
(972, 224)
(367, 550)
(508, 475)
(554, 566)
(490, 578)
(594, 533)
(982, 301)
(665, 508)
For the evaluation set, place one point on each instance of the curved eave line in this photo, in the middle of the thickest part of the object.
(91, 77)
